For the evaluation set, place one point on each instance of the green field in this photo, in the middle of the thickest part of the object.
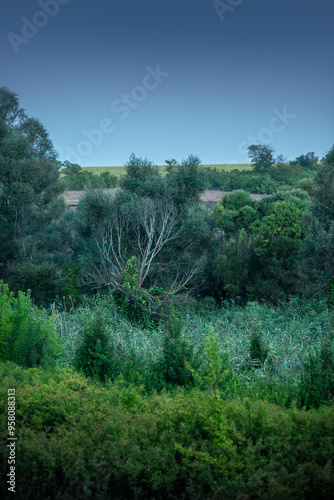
(121, 170)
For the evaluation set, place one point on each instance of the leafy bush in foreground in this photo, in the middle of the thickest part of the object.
(26, 334)
(81, 440)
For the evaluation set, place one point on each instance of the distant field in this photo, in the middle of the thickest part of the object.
(231, 166)
(121, 170)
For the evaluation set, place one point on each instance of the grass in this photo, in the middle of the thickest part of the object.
(289, 333)
(227, 167)
(128, 337)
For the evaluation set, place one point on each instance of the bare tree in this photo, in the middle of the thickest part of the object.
(141, 232)
(157, 225)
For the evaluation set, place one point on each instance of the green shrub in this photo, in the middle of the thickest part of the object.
(257, 350)
(95, 356)
(307, 185)
(317, 381)
(70, 282)
(75, 177)
(77, 439)
(26, 334)
(172, 368)
(216, 373)
(99, 356)
(39, 279)
(108, 180)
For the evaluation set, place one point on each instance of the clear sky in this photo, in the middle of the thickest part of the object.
(164, 79)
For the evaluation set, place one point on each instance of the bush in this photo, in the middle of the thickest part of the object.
(278, 176)
(307, 185)
(95, 356)
(99, 355)
(108, 180)
(75, 177)
(258, 351)
(317, 382)
(216, 375)
(77, 439)
(69, 288)
(39, 279)
(171, 369)
(26, 334)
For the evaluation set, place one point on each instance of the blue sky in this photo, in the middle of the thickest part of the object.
(166, 79)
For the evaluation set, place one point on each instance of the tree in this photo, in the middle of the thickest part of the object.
(142, 178)
(186, 182)
(29, 186)
(259, 248)
(124, 247)
(10, 110)
(171, 163)
(316, 270)
(277, 238)
(280, 160)
(151, 224)
(324, 191)
(235, 212)
(234, 215)
(297, 197)
(309, 160)
(316, 260)
(261, 156)
(40, 143)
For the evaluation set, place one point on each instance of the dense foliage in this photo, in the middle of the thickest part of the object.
(75, 177)
(268, 175)
(30, 207)
(27, 334)
(80, 440)
(159, 349)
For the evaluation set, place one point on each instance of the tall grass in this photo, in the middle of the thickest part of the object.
(267, 348)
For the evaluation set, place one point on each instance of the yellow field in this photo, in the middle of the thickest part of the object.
(121, 170)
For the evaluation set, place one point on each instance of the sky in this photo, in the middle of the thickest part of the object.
(165, 79)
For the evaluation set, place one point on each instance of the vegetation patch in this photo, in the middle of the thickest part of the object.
(79, 439)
